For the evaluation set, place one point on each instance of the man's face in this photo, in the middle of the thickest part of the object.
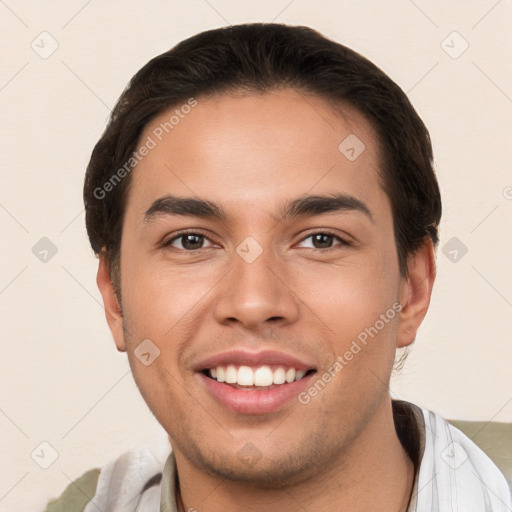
(259, 290)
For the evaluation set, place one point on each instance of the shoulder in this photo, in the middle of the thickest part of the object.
(132, 477)
(77, 494)
(493, 438)
(459, 453)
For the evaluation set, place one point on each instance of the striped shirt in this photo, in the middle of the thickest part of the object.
(452, 474)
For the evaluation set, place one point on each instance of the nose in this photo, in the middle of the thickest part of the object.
(257, 294)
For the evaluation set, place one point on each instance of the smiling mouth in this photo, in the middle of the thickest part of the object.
(262, 377)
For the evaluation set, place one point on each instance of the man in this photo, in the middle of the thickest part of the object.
(265, 213)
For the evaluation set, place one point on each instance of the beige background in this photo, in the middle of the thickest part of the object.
(61, 379)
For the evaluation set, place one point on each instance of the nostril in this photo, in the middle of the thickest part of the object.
(275, 318)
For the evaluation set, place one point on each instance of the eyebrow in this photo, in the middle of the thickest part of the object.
(316, 205)
(304, 206)
(174, 205)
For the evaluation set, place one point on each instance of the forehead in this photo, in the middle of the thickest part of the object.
(252, 150)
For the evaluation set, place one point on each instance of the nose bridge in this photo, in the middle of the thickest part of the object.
(255, 292)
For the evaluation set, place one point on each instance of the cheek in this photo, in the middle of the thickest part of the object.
(158, 297)
(163, 309)
(348, 298)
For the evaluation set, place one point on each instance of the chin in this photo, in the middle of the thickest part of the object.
(269, 475)
(249, 466)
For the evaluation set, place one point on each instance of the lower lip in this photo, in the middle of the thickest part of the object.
(254, 401)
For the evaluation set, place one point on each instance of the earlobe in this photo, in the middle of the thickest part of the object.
(416, 292)
(113, 312)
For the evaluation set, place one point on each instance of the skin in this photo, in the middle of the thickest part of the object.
(251, 154)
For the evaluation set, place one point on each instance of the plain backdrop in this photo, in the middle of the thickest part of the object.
(62, 382)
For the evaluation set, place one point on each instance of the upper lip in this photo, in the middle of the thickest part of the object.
(243, 357)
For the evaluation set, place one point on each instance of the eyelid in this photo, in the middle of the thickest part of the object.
(180, 234)
(344, 240)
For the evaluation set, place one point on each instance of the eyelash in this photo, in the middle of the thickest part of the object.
(343, 242)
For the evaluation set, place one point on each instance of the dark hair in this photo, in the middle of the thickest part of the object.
(260, 57)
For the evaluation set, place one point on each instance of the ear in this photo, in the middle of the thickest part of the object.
(110, 302)
(415, 293)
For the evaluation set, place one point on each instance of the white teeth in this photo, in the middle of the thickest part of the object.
(299, 374)
(231, 374)
(263, 376)
(221, 374)
(279, 376)
(290, 375)
(246, 376)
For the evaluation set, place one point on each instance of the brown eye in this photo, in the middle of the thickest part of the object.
(322, 240)
(188, 241)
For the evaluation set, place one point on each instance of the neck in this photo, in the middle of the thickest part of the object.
(375, 474)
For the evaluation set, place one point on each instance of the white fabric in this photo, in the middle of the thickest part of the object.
(455, 476)
(122, 481)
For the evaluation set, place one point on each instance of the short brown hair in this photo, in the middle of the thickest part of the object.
(259, 57)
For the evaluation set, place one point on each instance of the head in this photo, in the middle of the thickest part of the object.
(303, 177)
